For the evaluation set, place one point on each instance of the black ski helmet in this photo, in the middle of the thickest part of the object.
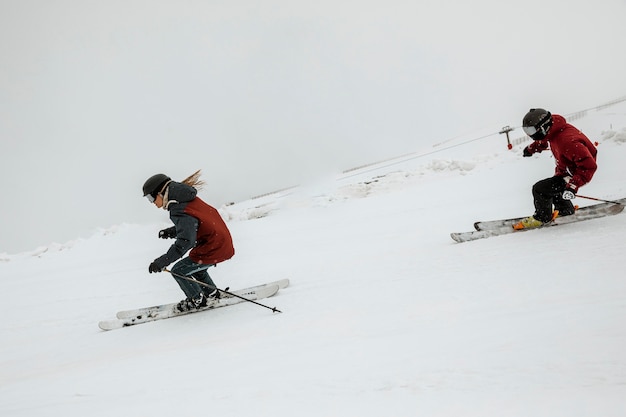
(537, 123)
(154, 184)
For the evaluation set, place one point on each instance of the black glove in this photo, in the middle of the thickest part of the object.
(168, 233)
(527, 152)
(569, 193)
(155, 267)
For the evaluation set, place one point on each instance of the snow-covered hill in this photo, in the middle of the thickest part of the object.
(385, 314)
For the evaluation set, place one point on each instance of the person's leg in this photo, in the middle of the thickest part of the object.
(204, 277)
(188, 268)
(547, 193)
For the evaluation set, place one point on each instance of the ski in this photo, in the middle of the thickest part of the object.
(507, 228)
(245, 292)
(582, 213)
(170, 312)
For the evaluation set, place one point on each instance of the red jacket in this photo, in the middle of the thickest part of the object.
(574, 153)
(197, 226)
(213, 241)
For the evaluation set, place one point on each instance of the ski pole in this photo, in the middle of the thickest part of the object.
(598, 199)
(274, 309)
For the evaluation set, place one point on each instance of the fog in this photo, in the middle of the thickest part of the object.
(95, 97)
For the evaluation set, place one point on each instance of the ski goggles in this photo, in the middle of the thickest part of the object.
(540, 128)
(530, 130)
(150, 198)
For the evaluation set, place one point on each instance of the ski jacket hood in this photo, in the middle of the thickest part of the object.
(177, 192)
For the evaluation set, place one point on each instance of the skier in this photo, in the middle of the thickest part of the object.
(197, 226)
(575, 158)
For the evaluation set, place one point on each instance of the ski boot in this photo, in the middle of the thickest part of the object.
(531, 223)
(192, 303)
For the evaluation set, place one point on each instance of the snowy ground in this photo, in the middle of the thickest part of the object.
(385, 314)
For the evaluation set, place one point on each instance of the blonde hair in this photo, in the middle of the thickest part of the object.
(194, 180)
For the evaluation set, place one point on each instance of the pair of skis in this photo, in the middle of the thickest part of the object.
(165, 311)
(485, 229)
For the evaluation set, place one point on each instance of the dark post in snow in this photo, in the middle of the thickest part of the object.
(506, 130)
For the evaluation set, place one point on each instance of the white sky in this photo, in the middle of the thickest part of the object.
(97, 96)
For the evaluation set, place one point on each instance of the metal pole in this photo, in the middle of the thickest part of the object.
(506, 130)
(274, 309)
(598, 199)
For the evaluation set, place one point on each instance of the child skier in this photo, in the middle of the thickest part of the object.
(575, 158)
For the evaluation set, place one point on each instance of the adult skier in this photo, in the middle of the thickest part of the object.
(197, 226)
(575, 158)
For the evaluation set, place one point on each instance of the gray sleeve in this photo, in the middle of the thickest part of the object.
(186, 230)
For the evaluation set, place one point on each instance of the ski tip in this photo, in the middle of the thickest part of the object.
(109, 325)
(456, 237)
(477, 225)
(283, 283)
(266, 292)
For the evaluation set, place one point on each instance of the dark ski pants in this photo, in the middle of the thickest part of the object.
(188, 268)
(547, 194)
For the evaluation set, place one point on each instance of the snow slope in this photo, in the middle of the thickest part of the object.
(385, 314)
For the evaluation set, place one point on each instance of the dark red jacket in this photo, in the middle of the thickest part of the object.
(574, 153)
(197, 226)
(213, 241)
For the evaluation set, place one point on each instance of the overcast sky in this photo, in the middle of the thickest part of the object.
(96, 96)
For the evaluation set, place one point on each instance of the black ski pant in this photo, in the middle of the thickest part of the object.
(547, 194)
